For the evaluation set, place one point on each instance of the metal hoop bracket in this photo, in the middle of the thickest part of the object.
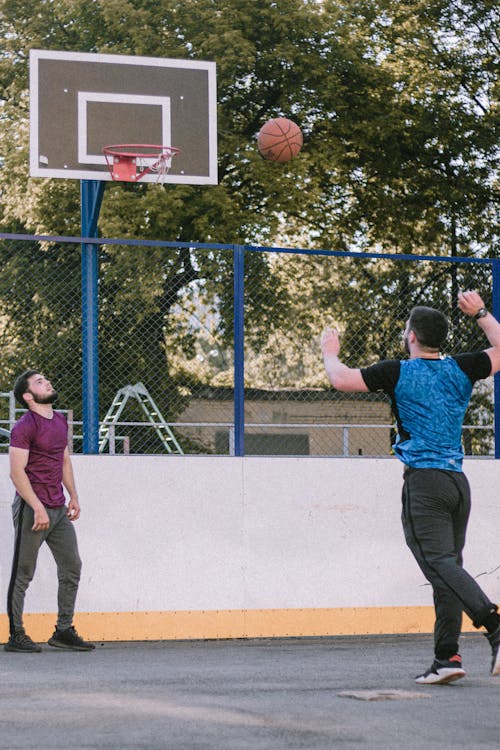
(129, 162)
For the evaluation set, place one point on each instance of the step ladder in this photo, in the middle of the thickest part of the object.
(149, 408)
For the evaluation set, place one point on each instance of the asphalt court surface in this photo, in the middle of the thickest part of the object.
(279, 694)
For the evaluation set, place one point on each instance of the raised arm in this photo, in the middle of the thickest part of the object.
(342, 378)
(470, 303)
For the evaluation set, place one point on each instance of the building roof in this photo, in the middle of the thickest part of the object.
(215, 393)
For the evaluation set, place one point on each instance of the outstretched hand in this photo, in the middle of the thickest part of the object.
(330, 342)
(470, 302)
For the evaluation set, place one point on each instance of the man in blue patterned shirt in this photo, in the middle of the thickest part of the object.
(429, 395)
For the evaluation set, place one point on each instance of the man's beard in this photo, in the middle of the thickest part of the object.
(49, 399)
(405, 344)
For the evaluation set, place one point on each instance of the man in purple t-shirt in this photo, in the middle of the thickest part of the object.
(40, 466)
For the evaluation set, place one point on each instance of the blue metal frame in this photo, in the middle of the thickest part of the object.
(495, 273)
(91, 193)
(239, 358)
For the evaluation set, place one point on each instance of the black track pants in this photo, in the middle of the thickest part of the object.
(436, 506)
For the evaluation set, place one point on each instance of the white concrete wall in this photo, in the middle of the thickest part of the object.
(221, 533)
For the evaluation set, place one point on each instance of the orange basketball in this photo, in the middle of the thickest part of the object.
(279, 139)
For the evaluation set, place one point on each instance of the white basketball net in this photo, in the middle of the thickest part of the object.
(161, 167)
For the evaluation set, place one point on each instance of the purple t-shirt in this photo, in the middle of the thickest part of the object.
(46, 440)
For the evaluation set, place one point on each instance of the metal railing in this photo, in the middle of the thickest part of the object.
(119, 442)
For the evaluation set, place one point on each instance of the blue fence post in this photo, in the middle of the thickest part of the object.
(496, 387)
(91, 193)
(239, 357)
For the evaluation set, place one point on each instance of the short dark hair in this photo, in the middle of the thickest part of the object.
(21, 385)
(429, 326)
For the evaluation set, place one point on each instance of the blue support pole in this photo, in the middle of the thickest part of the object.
(496, 386)
(239, 358)
(91, 193)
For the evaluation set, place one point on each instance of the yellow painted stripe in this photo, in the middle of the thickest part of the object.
(219, 624)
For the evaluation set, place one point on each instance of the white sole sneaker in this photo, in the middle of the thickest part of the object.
(438, 675)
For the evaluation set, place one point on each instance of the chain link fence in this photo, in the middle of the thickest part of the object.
(166, 343)
(368, 299)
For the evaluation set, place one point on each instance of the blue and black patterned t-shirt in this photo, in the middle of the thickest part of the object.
(429, 398)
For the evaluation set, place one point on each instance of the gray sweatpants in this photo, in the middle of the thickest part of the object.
(61, 539)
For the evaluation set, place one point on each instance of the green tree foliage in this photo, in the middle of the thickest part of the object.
(398, 102)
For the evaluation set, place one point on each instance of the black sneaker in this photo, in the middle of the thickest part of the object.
(22, 643)
(442, 672)
(69, 639)
(494, 639)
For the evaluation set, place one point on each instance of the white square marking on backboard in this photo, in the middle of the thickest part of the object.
(95, 96)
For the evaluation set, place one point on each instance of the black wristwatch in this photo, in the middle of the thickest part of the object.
(481, 313)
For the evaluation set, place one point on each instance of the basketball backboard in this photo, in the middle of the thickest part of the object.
(82, 102)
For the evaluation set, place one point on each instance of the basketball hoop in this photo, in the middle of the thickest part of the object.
(129, 162)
